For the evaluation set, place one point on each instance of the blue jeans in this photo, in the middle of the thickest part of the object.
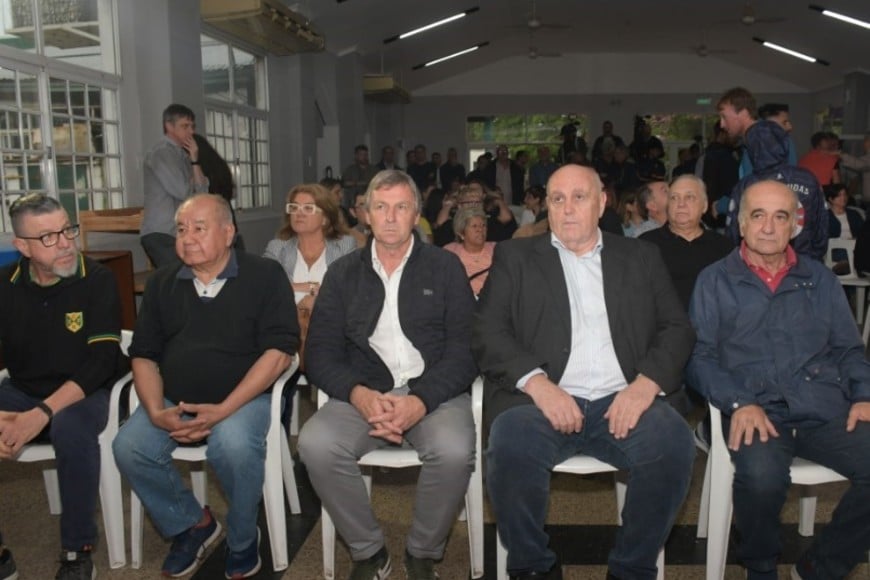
(236, 451)
(524, 448)
(73, 432)
(761, 482)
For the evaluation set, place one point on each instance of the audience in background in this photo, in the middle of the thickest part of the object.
(861, 165)
(844, 222)
(355, 178)
(823, 158)
(632, 213)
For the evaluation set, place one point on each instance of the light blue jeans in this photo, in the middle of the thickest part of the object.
(236, 452)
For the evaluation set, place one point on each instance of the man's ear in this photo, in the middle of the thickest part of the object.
(21, 246)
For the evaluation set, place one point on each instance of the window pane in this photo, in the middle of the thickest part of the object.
(73, 32)
(245, 77)
(215, 69)
(8, 96)
(59, 100)
(29, 91)
(16, 19)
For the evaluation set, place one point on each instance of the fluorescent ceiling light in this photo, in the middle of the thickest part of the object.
(449, 56)
(842, 17)
(431, 25)
(790, 52)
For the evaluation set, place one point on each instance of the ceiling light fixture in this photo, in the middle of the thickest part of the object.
(431, 26)
(449, 56)
(790, 52)
(838, 16)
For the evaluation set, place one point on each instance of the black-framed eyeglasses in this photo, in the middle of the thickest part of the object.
(50, 239)
(305, 208)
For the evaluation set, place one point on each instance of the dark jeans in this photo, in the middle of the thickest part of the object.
(160, 249)
(761, 482)
(524, 448)
(73, 432)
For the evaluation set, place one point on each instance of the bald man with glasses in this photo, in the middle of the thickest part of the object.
(60, 328)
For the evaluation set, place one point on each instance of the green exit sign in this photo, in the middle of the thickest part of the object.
(703, 101)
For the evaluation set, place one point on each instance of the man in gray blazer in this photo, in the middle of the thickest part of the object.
(577, 334)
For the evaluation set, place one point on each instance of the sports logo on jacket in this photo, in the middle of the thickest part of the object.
(74, 321)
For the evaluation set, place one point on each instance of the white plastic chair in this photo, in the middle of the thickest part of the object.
(279, 466)
(400, 457)
(110, 479)
(720, 474)
(852, 278)
(581, 465)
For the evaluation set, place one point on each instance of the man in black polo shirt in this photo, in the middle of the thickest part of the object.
(687, 247)
(212, 336)
(60, 327)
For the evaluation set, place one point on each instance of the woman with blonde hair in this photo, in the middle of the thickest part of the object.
(312, 237)
(475, 253)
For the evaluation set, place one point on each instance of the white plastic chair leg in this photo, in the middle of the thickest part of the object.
(112, 507)
(704, 508)
(52, 491)
(137, 528)
(289, 477)
(199, 483)
(328, 532)
(273, 500)
(807, 516)
(474, 514)
(294, 414)
(719, 522)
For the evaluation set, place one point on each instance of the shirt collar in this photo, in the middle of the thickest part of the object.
(790, 259)
(22, 271)
(231, 270)
(595, 251)
(379, 267)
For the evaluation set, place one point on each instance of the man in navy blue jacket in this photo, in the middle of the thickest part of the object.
(390, 343)
(779, 354)
(768, 145)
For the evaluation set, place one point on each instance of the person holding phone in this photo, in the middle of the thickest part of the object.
(172, 173)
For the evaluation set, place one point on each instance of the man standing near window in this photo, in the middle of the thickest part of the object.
(172, 174)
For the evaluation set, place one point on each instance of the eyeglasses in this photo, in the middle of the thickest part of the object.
(50, 239)
(304, 208)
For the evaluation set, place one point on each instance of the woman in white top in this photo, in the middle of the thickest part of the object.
(311, 238)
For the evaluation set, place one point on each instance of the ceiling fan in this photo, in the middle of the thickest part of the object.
(748, 16)
(535, 23)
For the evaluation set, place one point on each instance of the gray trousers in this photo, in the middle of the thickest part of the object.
(336, 436)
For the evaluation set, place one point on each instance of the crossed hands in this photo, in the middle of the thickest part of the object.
(389, 415)
(18, 429)
(188, 422)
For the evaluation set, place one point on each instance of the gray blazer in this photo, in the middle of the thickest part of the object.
(284, 251)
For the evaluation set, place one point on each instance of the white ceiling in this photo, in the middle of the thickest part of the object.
(595, 26)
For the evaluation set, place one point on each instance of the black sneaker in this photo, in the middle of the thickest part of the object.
(419, 568)
(8, 571)
(378, 567)
(189, 547)
(76, 566)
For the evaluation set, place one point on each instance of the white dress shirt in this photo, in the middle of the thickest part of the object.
(388, 341)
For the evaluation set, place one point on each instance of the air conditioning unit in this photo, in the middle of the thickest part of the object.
(268, 24)
(383, 88)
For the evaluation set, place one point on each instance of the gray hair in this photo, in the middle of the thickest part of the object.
(391, 178)
(224, 212)
(463, 216)
(31, 204)
(696, 180)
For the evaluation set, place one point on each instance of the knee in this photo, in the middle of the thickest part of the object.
(453, 451)
(761, 476)
(317, 444)
(123, 447)
(235, 446)
(73, 430)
